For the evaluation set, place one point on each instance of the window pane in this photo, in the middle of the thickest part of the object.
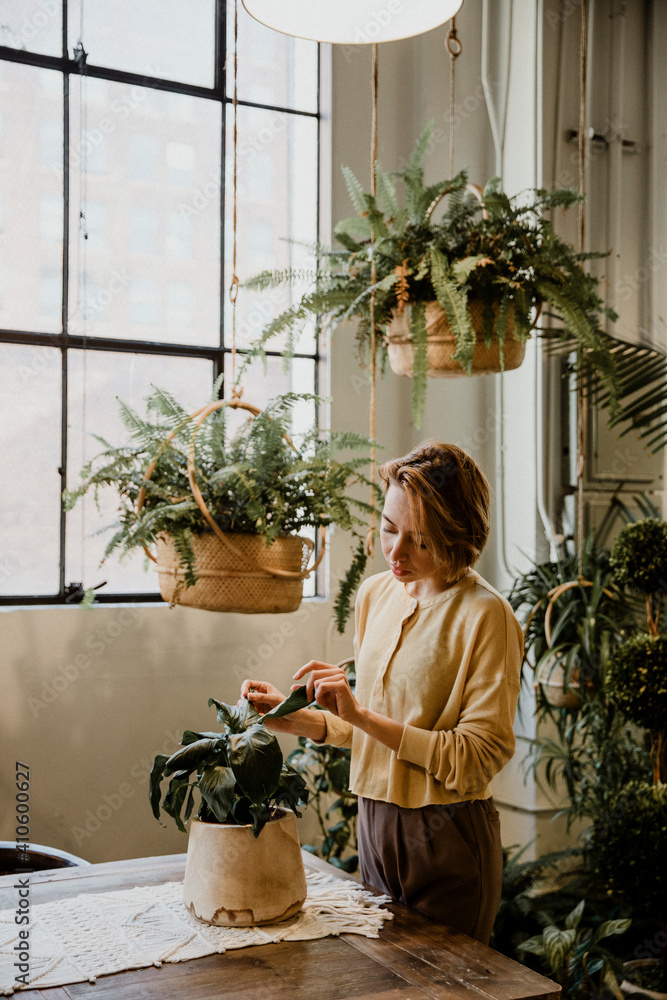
(277, 198)
(273, 68)
(33, 25)
(31, 182)
(95, 380)
(151, 182)
(164, 38)
(260, 384)
(30, 483)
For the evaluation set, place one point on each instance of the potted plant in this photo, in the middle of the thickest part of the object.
(588, 748)
(572, 613)
(628, 847)
(225, 510)
(574, 956)
(455, 295)
(244, 862)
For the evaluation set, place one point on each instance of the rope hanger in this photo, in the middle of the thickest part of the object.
(454, 49)
(370, 537)
(581, 402)
(237, 392)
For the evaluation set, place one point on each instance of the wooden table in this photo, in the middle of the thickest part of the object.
(414, 958)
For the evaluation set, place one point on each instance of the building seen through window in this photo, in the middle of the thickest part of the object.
(116, 245)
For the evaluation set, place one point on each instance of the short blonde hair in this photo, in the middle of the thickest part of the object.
(449, 499)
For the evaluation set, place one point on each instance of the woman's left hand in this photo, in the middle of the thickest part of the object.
(329, 686)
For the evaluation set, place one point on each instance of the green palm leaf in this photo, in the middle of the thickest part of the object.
(641, 376)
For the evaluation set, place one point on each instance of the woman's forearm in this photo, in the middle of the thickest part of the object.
(305, 722)
(380, 728)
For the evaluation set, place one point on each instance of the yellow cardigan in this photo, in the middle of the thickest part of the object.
(449, 668)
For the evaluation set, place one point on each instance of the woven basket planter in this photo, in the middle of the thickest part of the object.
(235, 582)
(236, 572)
(234, 879)
(441, 344)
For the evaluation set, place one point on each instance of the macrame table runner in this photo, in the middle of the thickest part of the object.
(79, 939)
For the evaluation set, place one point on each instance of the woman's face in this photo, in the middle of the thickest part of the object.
(408, 558)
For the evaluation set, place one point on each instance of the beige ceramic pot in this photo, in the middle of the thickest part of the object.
(234, 879)
(550, 677)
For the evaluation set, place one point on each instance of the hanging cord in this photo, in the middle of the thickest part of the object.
(454, 48)
(234, 286)
(581, 403)
(370, 538)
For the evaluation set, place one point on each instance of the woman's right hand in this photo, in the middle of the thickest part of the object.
(261, 695)
(264, 696)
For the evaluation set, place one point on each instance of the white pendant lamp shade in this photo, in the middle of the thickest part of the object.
(352, 22)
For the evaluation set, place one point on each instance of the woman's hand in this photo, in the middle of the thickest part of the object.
(264, 696)
(329, 686)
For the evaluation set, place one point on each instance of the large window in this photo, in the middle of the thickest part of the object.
(116, 243)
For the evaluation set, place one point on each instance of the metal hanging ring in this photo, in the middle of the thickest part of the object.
(452, 42)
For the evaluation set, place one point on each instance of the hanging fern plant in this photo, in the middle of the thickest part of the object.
(254, 482)
(499, 250)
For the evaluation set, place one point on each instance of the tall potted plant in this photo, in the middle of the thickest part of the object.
(588, 748)
(227, 511)
(628, 847)
(244, 862)
(452, 295)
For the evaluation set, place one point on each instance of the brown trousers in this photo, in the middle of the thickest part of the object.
(445, 861)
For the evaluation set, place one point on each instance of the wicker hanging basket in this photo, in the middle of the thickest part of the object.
(236, 572)
(441, 341)
(441, 344)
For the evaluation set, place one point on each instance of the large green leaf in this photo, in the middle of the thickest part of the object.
(233, 717)
(175, 797)
(339, 774)
(191, 737)
(610, 927)
(191, 756)
(216, 785)
(157, 773)
(534, 945)
(292, 789)
(256, 760)
(573, 919)
(557, 945)
(261, 814)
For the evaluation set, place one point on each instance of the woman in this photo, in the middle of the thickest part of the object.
(438, 656)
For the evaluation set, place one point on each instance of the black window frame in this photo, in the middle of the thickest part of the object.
(65, 341)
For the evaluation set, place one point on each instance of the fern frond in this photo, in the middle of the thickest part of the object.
(454, 301)
(348, 585)
(355, 190)
(386, 190)
(419, 362)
